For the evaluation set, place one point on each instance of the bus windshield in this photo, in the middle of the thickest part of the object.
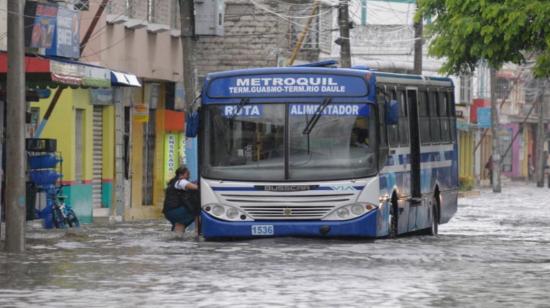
(251, 145)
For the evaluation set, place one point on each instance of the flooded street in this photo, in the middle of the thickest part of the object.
(494, 252)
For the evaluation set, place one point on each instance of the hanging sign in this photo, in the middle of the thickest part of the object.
(141, 113)
(103, 97)
(40, 23)
(484, 117)
(66, 41)
(171, 156)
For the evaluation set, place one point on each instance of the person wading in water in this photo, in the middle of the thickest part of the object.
(181, 204)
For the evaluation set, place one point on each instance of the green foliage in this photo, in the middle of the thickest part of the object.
(498, 31)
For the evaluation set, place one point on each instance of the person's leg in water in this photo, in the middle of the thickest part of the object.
(179, 228)
(180, 219)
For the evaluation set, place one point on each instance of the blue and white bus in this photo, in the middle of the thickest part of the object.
(327, 152)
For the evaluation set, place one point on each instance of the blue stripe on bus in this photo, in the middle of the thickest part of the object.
(424, 157)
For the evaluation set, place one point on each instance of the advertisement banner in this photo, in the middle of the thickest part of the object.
(484, 117)
(66, 41)
(40, 24)
(171, 156)
(141, 113)
(103, 97)
(3, 25)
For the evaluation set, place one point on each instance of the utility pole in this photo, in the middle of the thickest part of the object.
(15, 141)
(187, 14)
(418, 42)
(494, 129)
(539, 172)
(344, 39)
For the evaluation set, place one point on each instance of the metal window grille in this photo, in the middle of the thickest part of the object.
(151, 11)
(148, 157)
(465, 89)
(79, 146)
(174, 18)
(297, 25)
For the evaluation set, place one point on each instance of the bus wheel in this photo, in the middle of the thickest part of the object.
(435, 216)
(394, 219)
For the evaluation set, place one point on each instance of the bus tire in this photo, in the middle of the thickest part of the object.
(434, 228)
(394, 221)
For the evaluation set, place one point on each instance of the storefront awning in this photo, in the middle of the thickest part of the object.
(66, 72)
(124, 79)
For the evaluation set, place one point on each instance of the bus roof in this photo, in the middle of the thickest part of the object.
(384, 77)
(324, 70)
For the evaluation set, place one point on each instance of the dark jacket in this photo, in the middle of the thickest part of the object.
(175, 198)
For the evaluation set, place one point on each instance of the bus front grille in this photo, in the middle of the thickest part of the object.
(287, 206)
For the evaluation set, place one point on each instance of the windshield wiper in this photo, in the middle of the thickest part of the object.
(318, 113)
(240, 106)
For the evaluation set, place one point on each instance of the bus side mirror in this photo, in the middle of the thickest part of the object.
(192, 124)
(392, 112)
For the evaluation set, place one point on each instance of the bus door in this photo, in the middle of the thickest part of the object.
(415, 199)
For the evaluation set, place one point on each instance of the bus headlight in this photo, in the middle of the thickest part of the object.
(343, 212)
(232, 213)
(357, 209)
(218, 210)
(350, 211)
(226, 212)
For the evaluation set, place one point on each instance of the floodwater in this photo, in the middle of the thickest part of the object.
(495, 252)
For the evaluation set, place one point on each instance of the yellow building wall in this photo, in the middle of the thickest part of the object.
(466, 156)
(81, 100)
(61, 126)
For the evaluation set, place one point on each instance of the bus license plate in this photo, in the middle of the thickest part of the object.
(262, 230)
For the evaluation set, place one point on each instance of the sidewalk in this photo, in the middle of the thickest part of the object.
(485, 184)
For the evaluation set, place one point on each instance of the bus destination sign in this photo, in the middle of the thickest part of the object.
(287, 85)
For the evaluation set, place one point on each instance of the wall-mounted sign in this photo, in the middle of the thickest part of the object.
(484, 117)
(102, 96)
(171, 156)
(78, 74)
(66, 42)
(3, 25)
(141, 113)
(40, 23)
(52, 30)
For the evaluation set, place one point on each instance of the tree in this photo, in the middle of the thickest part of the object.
(465, 32)
(498, 31)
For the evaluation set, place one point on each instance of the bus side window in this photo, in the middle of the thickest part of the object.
(403, 119)
(393, 130)
(444, 117)
(452, 115)
(424, 119)
(435, 121)
(381, 99)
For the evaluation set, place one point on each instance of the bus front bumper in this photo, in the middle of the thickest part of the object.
(364, 226)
